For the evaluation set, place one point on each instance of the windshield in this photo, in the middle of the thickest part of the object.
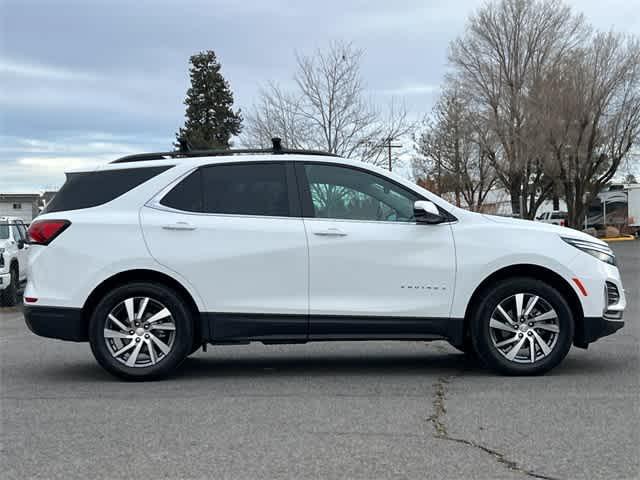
(4, 231)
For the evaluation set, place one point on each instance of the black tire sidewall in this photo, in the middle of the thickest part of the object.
(183, 334)
(480, 333)
(9, 296)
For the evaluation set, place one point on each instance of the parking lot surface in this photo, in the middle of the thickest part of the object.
(336, 410)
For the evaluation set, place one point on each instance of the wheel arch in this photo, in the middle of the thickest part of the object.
(533, 271)
(141, 275)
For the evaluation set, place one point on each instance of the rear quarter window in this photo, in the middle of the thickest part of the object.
(90, 189)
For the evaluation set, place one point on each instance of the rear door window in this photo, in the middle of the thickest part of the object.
(186, 195)
(90, 189)
(256, 188)
(246, 189)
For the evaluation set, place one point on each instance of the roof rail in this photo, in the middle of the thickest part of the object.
(186, 152)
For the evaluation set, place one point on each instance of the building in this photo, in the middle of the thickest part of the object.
(22, 205)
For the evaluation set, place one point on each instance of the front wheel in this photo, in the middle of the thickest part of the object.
(141, 331)
(9, 296)
(523, 327)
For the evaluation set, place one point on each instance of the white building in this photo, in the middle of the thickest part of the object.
(22, 205)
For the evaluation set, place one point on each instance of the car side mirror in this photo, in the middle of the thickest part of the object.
(425, 211)
(20, 244)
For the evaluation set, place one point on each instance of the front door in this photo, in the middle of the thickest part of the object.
(232, 231)
(374, 272)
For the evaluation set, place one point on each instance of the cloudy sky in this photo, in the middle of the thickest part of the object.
(84, 81)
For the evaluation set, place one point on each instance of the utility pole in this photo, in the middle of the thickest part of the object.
(388, 143)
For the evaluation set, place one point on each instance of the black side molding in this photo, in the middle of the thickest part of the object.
(275, 328)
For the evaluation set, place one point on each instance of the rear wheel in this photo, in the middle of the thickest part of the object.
(141, 331)
(523, 327)
(9, 296)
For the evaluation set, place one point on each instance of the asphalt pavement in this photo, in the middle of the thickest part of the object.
(326, 410)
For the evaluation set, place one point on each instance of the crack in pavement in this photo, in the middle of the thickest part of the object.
(441, 432)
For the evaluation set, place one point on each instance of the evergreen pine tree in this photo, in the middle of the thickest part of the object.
(210, 118)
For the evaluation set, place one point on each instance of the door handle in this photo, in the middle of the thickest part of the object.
(179, 226)
(330, 232)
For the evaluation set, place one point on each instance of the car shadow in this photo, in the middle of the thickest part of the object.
(430, 363)
(435, 363)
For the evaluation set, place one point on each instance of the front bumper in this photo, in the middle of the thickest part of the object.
(57, 322)
(593, 328)
(5, 280)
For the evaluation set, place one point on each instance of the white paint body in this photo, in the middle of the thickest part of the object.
(252, 264)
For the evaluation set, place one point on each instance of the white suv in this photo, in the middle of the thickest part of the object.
(154, 255)
(13, 259)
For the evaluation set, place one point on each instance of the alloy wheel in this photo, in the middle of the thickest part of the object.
(139, 332)
(524, 328)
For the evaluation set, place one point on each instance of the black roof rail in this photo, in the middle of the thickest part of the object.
(186, 152)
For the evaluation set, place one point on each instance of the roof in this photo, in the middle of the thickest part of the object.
(19, 196)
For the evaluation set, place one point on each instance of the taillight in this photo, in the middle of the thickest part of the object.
(562, 223)
(42, 232)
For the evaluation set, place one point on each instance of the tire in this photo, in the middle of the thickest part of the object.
(9, 296)
(153, 347)
(549, 322)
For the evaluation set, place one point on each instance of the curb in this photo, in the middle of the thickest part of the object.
(624, 238)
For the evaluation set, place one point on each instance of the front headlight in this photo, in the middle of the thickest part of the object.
(601, 252)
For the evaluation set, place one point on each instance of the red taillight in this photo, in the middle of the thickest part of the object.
(43, 232)
(562, 223)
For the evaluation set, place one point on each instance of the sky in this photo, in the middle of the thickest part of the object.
(83, 82)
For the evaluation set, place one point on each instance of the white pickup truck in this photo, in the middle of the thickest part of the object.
(13, 259)
(633, 202)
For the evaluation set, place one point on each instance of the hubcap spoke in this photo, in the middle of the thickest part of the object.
(532, 303)
(131, 361)
(519, 301)
(162, 326)
(501, 326)
(505, 314)
(128, 304)
(511, 354)
(543, 345)
(550, 315)
(532, 349)
(152, 352)
(118, 323)
(113, 334)
(507, 341)
(547, 326)
(164, 313)
(143, 307)
(164, 348)
(124, 349)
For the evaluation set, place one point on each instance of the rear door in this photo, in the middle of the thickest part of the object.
(234, 231)
(374, 272)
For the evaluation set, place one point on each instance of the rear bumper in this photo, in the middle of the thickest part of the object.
(594, 328)
(57, 322)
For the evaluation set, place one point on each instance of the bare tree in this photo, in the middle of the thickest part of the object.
(591, 109)
(455, 151)
(506, 49)
(328, 109)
